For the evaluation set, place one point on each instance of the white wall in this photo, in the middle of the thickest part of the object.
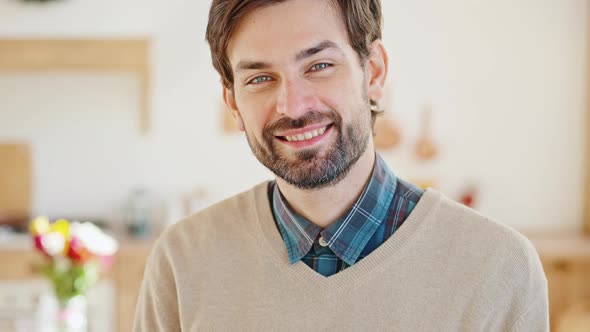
(507, 80)
(508, 83)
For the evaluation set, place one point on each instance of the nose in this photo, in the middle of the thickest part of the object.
(295, 98)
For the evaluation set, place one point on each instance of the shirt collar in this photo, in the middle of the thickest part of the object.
(348, 235)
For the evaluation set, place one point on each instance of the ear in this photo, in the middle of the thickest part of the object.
(230, 102)
(377, 67)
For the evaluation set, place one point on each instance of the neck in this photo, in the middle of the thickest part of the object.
(324, 206)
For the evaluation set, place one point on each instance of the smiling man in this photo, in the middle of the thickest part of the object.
(336, 241)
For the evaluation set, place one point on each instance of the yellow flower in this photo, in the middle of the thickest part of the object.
(61, 226)
(39, 225)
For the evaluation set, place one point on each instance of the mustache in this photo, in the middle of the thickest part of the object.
(307, 119)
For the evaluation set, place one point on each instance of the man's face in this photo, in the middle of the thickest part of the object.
(300, 92)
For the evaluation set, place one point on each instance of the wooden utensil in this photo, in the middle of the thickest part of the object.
(387, 132)
(426, 147)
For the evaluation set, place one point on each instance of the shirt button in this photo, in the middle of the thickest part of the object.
(323, 242)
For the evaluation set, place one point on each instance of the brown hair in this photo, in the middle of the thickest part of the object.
(362, 19)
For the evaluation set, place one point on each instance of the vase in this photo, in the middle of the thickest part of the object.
(72, 315)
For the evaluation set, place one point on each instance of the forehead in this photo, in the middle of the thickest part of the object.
(276, 32)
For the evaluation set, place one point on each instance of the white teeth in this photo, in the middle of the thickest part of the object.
(306, 136)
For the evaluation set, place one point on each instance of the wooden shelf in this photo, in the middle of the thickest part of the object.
(105, 55)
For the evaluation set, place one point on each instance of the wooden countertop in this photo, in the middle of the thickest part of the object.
(547, 244)
(565, 245)
(23, 242)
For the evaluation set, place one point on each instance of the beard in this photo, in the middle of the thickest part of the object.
(318, 167)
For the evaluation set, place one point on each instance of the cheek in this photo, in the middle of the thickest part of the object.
(255, 113)
(343, 97)
(345, 87)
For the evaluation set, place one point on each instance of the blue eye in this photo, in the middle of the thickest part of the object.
(320, 66)
(259, 79)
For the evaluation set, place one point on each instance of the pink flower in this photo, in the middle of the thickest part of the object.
(106, 262)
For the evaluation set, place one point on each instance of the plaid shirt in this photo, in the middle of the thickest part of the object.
(381, 209)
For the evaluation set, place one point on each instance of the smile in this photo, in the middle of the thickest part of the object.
(306, 135)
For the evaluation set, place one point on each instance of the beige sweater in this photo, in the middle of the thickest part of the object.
(446, 268)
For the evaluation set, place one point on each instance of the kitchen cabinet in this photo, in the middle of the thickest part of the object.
(128, 274)
(15, 184)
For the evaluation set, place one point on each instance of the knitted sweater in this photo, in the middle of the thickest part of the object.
(447, 268)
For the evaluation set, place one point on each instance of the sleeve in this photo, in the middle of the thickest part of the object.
(536, 315)
(157, 304)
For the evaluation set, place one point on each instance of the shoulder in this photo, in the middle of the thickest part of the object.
(234, 209)
(469, 223)
(496, 249)
(227, 220)
(502, 262)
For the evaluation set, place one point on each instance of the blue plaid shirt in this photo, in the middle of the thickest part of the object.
(381, 209)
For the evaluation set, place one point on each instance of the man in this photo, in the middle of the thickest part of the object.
(336, 242)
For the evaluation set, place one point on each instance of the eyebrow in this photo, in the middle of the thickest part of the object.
(249, 65)
(324, 45)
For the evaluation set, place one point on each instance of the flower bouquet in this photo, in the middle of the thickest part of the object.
(76, 254)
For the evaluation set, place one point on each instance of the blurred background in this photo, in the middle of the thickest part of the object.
(111, 112)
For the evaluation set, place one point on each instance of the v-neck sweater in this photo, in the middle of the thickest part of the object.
(447, 268)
